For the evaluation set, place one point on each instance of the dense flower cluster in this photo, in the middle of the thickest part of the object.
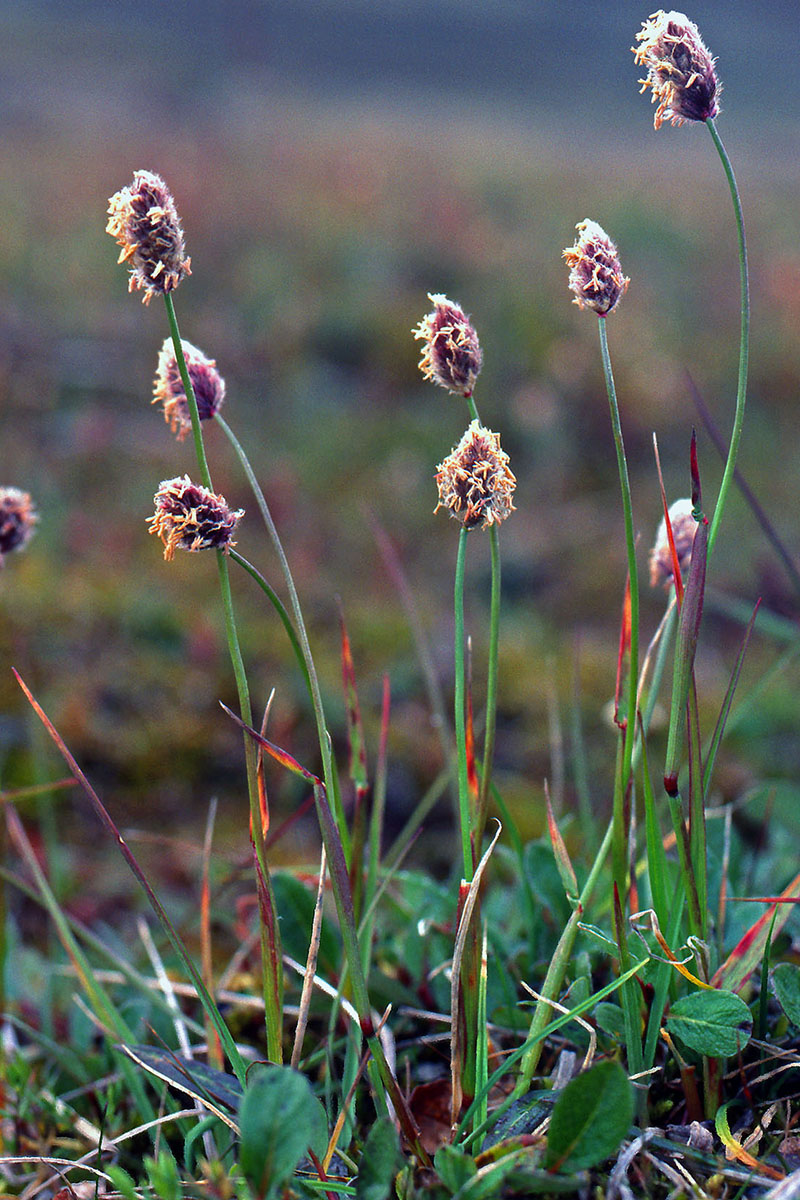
(680, 70)
(17, 519)
(475, 482)
(189, 517)
(451, 354)
(595, 272)
(168, 390)
(144, 222)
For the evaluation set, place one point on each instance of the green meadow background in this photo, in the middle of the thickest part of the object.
(332, 163)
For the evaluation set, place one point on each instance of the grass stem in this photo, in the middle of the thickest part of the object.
(271, 953)
(460, 713)
(744, 337)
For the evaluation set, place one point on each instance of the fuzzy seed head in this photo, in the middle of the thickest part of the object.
(680, 70)
(475, 482)
(144, 222)
(684, 526)
(451, 354)
(168, 390)
(595, 274)
(17, 519)
(189, 517)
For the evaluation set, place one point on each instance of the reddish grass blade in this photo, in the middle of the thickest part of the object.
(750, 949)
(355, 728)
(281, 756)
(560, 853)
(204, 995)
(624, 648)
(358, 772)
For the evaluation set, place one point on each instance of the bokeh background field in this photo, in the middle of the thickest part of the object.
(333, 162)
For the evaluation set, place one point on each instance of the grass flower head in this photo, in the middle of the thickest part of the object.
(680, 70)
(475, 482)
(17, 519)
(595, 273)
(451, 355)
(168, 390)
(189, 517)
(144, 222)
(684, 525)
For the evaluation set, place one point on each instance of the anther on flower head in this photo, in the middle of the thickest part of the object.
(475, 482)
(595, 273)
(680, 69)
(168, 390)
(17, 519)
(684, 526)
(189, 517)
(144, 222)
(452, 355)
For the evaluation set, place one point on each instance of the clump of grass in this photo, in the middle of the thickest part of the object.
(394, 1052)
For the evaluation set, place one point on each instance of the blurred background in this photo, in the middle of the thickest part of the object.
(333, 161)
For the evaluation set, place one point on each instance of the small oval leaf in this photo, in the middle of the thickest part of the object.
(714, 1023)
(591, 1117)
(786, 980)
(379, 1162)
(279, 1118)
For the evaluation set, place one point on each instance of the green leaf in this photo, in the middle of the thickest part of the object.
(590, 1119)
(714, 1023)
(454, 1167)
(379, 1162)
(122, 1182)
(280, 1118)
(295, 902)
(786, 981)
(216, 1089)
(522, 1117)
(611, 1019)
(164, 1176)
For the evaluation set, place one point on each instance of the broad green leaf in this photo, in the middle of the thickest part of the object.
(786, 980)
(279, 1118)
(590, 1118)
(379, 1162)
(714, 1023)
(454, 1167)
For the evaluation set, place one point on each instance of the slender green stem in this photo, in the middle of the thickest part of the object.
(329, 775)
(555, 973)
(277, 604)
(744, 338)
(473, 408)
(687, 870)
(460, 711)
(697, 809)
(271, 955)
(630, 544)
(491, 677)
(333, 829)
(491, 688)
(197, 432)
